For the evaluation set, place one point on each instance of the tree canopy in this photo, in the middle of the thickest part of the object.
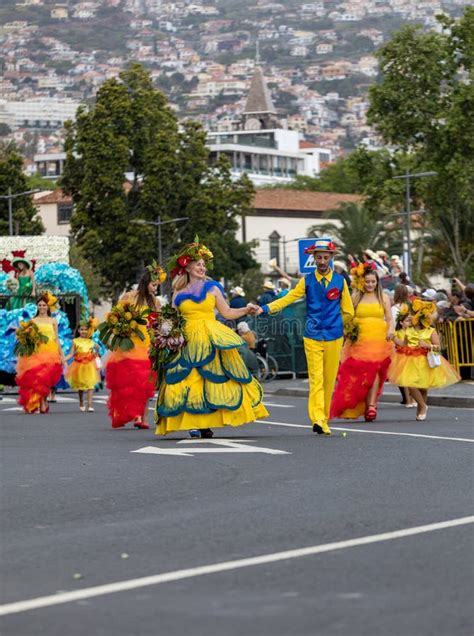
(25, 215)
(130, 130)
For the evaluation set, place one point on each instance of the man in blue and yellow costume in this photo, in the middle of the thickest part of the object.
(329, 304)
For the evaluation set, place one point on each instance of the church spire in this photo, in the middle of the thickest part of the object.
(259, 101)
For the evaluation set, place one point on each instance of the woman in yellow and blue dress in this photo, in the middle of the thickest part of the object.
(207, 384)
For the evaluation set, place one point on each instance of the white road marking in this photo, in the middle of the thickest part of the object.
(223, 446)
(363, 430)
(279, 406)
(225, 566)
(13, 408)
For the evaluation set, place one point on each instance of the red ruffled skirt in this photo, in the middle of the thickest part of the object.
(362, 363)
(131, 383)
(37, 374)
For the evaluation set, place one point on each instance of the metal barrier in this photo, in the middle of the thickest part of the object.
(457, 342)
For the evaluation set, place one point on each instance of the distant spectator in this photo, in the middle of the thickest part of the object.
(341, 268)
(268, 294)
(237, 298)
(273, 265)
(400, 296)
(403, 278)
(283, 287)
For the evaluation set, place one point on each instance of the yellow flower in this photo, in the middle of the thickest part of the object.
(128, 315)
(116, 331)
(162, 277)
(113, 319)
(417, 304)
(133, 324)
(360, 269)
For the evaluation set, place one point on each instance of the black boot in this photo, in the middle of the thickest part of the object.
(206, 432)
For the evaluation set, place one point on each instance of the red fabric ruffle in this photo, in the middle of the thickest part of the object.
(35, 384)
(131, 383)
(354, 380)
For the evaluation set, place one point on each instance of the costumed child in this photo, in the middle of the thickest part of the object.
(421, 366)
(83, 374)
(403, 321)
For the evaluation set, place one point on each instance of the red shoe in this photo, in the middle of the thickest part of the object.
(45, 409)
(139, 423)
(370, 414)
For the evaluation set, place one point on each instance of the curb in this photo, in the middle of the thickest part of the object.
(434, 400)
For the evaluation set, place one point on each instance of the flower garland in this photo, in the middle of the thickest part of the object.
(190, 252)
(28, 338)
(91, 324)
(359, 272)
(121, 323)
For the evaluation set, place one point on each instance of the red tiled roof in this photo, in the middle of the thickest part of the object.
(54, 197)
(276, 199)
(307, 144)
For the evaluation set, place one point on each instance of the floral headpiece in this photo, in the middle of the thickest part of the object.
(157, 273)
(50, 300)
(422, 312)
(359, 272)
(403, 313)
(190, 252)
(91, 324)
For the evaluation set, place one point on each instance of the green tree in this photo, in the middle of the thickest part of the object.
(25, 216)
(92, 279)
(354, 229)
(130, 129)
(424, 104)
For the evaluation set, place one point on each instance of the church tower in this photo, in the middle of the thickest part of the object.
(259, 112)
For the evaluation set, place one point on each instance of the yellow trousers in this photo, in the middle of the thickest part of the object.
(323, 363)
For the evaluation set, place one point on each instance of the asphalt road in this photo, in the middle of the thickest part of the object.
(80, 509)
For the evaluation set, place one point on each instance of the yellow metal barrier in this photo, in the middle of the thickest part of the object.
(457, 342)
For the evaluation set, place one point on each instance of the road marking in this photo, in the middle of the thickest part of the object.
(363, 430)
(225, 566)
(13, 408)
(279, 406)
(223, 446)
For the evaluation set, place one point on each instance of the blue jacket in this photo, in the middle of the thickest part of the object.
(324, 319)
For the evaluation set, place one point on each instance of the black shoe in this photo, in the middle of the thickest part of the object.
(317, 429)
(206, 432)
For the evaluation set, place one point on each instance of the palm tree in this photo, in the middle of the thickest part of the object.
(354, 229)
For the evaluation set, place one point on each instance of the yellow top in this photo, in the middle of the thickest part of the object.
(83, 345)
(400, 334)
(299, 291)
(415, 336)
(47, 329)
(369, 310)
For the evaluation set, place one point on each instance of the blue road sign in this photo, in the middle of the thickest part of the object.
(306, 261)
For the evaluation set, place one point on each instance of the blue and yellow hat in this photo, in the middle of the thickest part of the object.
(322, 245)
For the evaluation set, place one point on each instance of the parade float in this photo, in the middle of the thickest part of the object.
(49, 260)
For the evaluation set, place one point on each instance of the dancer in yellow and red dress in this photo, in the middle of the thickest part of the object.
(83, 374)
(41, 368)
(365, 359)
(418, 364)
(128, 373)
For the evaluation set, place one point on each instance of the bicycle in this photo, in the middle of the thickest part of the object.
(267, 365)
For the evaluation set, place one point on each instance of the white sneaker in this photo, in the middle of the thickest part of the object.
(82, 408)
(90, 409)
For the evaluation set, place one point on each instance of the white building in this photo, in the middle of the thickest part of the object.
(260, 147)
(45, 112)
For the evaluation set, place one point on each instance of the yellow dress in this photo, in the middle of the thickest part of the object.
(40, 371)
(83, 375)
(362, 362)
(410, 366)
(208, 385)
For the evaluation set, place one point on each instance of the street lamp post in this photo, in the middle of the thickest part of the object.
(158, 223)
(9, 197)
(408, 212)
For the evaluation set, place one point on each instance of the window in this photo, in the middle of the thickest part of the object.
(64, 213)
(274, 239)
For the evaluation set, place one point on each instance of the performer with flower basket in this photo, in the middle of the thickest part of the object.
(128, 373)
(418, 363)
(365, 360)
(83, 374)
(206, 383)
(40, 358)
(328, 301)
